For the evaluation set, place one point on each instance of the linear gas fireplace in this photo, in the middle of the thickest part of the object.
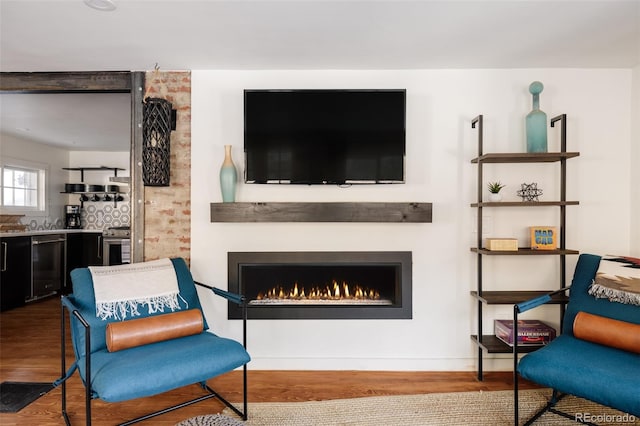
(322, 285)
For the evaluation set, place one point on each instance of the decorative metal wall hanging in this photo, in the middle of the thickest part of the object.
(529, 192)
(156, 138)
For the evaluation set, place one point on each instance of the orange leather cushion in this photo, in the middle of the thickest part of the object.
(607, 331)
(142, 331)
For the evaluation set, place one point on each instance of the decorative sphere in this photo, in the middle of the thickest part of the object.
(535, 88)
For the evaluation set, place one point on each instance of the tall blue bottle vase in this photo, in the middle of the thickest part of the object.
(536, 122)
(228, 177)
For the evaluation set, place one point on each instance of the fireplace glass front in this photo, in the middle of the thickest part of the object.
(322, 285)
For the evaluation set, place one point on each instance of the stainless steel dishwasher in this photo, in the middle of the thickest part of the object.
(47, 263)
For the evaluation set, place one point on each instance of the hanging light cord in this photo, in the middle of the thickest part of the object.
(156, 79)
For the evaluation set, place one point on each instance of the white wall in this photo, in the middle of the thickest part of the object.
(111, 159)
(53, 159)
(440, 144)
(634, 159)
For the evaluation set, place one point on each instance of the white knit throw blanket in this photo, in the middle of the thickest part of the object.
(121, 290)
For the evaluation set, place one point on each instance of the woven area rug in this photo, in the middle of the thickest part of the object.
(441, 409)
(211, 420)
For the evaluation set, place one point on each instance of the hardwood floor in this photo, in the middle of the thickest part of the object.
(30, 352)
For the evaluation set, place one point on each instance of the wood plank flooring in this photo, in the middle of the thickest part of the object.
(30, 352)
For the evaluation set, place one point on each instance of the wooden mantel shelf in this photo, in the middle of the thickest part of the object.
(321, 212)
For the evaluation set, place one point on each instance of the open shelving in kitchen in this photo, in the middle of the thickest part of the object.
(489, 342)
(94, 168)
(110, 192)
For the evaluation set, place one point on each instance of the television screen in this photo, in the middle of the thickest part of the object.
(324, 136)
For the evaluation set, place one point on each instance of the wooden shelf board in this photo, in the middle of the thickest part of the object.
(321, 212)
(525, 252)
(543, 157)
(92, 192)
(105, 168)
(524, 203)
(513, 297)
(493, 345)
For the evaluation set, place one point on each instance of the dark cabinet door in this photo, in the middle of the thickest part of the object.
(74, 258)
(83, 249)
(15, 271)
(92, 244)
(47, 265)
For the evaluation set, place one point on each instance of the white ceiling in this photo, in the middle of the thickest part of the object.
(66, 35)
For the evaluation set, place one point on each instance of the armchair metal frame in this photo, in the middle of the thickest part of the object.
(556, 396)
(73, 310)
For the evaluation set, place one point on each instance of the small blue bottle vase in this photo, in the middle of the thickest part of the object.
(228, 177)
(536, 122)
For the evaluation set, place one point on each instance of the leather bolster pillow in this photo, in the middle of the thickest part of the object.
(608, 332)
(142, 331)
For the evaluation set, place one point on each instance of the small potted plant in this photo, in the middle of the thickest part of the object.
(494, 190)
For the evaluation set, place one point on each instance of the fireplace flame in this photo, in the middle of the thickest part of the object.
(334, 291)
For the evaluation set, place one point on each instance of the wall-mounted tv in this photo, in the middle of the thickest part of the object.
(324, 136)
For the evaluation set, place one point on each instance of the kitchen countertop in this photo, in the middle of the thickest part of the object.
(47, 232)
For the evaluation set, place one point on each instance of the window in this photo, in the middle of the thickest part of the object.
(23, 188)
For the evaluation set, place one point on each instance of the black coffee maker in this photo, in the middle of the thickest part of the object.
(72, 216)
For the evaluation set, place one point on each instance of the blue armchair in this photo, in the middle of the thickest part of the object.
(570, 365)
(147, 369)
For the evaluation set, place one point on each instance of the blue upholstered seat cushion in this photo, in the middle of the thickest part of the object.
(84, 299)
(159, 367)
(599, 373)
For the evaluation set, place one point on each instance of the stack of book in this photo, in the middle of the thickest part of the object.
(530, 332)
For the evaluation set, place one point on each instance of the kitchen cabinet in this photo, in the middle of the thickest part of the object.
(15, 271)
(83, 249)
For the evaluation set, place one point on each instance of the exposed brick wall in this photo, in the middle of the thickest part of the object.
(167, 216)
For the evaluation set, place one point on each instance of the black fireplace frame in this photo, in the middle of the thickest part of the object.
(401, 309)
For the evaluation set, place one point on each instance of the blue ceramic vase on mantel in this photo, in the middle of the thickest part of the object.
(228, 177)
(536, 122)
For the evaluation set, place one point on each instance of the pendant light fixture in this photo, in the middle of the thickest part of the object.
(102, 5)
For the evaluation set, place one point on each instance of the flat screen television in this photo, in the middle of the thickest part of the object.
(324, 136)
